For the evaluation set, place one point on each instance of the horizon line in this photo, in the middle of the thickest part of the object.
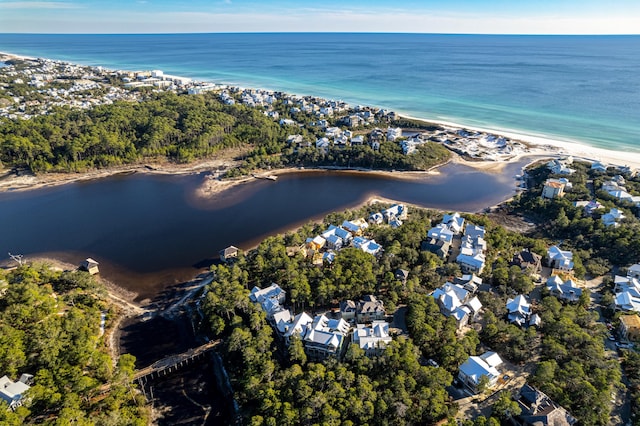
(336, 32)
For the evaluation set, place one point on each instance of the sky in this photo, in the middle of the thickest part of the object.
(404, 16)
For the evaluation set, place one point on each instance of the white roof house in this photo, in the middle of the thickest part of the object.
(270, 299)
(13, 392)
(626, 301)
(612, 218)
(272, 292)
(454, 222)
(567, 290)
(298, 326)
(634, 271)
(441, 232)
(366, 245)
(477, 366)
(374, 338)
(518, 309)
(472, 247)
(560, 259)
(453, 300)
(355, 226)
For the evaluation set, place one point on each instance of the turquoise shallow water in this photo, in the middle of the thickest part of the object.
(574, 88)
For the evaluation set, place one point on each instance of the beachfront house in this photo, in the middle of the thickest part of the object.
(396, 211)
(559, 167)
(560, 259)
(454, 222)
(356, 227)
(13, 393)
(472, 370)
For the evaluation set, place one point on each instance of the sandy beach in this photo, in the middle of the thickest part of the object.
(543, 146)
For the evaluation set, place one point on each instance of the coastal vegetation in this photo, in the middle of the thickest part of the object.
(565, 358)
(50, 328)
(180, 129)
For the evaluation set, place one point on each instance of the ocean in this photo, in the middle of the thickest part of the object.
(582, 89)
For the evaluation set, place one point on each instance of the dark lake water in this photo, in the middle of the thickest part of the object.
(150, 231)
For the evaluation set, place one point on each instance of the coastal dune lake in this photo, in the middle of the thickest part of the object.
(151, 231)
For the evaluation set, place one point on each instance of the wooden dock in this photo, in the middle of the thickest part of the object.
(267, 177)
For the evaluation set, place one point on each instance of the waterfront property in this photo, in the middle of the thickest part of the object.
(553, 188)
(89, 265)
(229, 254)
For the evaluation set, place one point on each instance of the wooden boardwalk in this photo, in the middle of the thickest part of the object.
(162, 367)
(173, 362)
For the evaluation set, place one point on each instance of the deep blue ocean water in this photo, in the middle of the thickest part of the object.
(574, 88)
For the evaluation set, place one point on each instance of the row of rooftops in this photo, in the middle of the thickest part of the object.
(351, 232)
(627, 290)
(320, 335)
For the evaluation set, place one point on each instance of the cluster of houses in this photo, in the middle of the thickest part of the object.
(321, 336)
(57, 84)
(323, 248)
(616, 188)
(561, 166)
(440, 238)
(536, 408)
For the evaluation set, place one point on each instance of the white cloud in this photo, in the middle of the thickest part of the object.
(319, 20)
(38, 5)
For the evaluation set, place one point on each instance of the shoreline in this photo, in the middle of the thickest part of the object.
(541, 144)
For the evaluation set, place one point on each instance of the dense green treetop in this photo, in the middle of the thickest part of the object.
(49, 327)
